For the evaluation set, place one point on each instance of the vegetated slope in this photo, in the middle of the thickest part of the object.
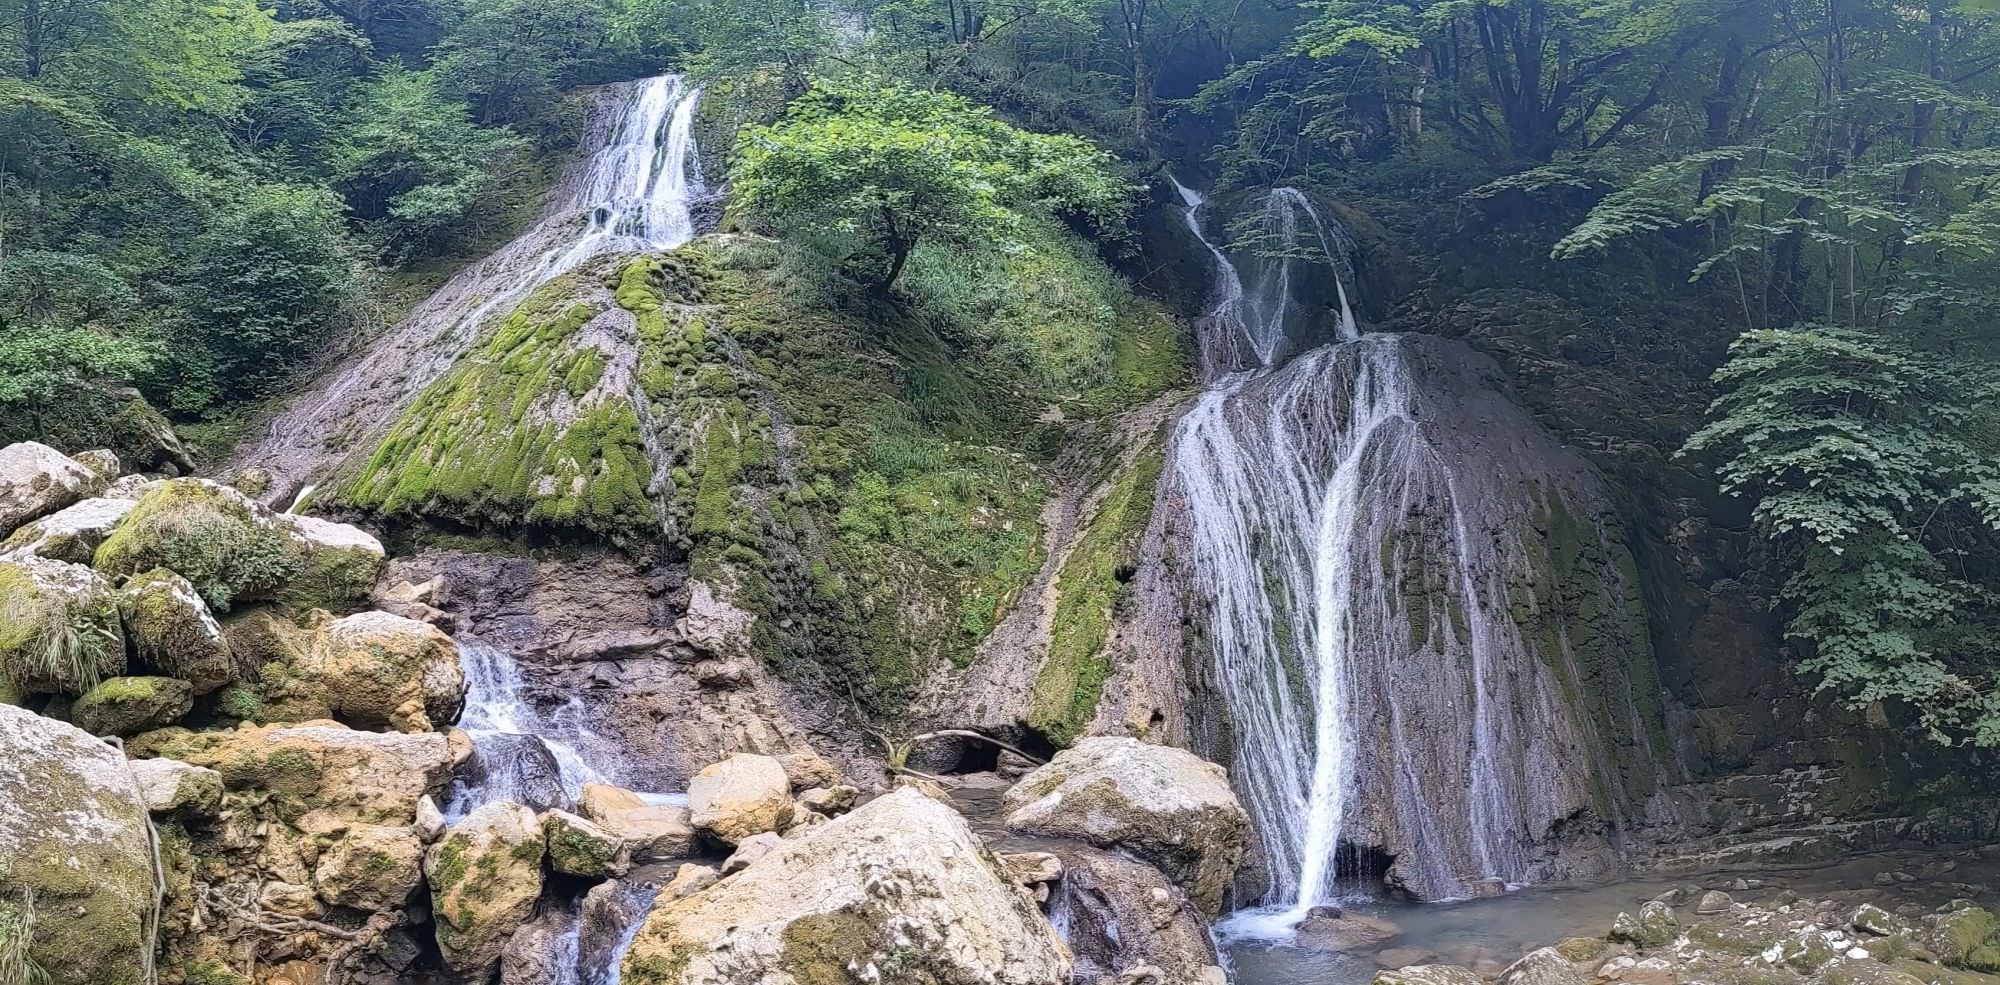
(865, 474)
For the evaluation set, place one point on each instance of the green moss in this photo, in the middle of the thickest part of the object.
(517, 437)
(818, 948)
(1092, 582)
(56, 640)
(450, 868)
(211, 973)
(220, 541)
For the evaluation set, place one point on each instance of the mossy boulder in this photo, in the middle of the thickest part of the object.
(381, 670)
(125, 706)
(229, 546)
(340, 563)
(1165, 805)
(59, 627)
(36, 480)
(901, 885)
(74, 834)
(172, 631)
(371, 867)
(1966, 936)
(368, 777)
(580, 848)
(485, 876)
(72, 533)
(269, 651)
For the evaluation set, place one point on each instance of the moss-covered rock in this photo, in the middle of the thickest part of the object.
(339, 564)
(70, 534)
(274, 683)
(59, 627)
(125, 706)
(371, 867)
(229, 546)
(172, 631)
(74, 834)
(485, 876)
(370, 777)
(580, 848)
(381, 670)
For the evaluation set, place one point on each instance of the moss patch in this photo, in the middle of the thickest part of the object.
(222, 542)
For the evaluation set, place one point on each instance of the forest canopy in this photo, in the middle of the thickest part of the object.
(202, 200)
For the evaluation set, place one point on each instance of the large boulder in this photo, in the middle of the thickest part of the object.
(73, 833)
(485, 877)
(650, 832)
(579, 847)
(340, 561)
(124, 706)
(72, 533)
(36, 480)
(228, 545)
(172, 630)
(898, 890)
(741, 796)
(59, 627)
(1165, 805)
(371, 867)
(382, 670)
(370, 777)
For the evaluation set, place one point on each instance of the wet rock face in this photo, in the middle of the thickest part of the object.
(899, 883)
(1166, 805)
(73, 834)
(1120, 914)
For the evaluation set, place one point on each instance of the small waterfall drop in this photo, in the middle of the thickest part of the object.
(520, 753)
(1350, 619)
(634, 186)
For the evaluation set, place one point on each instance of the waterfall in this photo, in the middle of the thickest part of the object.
(1351, 584)
(520, 753)
(634, 186)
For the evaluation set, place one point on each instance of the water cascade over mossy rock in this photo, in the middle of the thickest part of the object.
(485, 876)
(1165, 805)
(900, 889)
(73, 834)
(36, 480)
(59, 627)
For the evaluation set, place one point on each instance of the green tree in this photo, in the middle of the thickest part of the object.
(894, 166)
(510, 58)
(1863, 463)
(410, 161)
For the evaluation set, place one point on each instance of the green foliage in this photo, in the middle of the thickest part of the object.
(411, 161)
(512, 57)
(17, 937)
(895, 166)
(1862, 459)
(214, 537)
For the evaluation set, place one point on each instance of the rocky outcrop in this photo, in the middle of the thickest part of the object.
(370, 777)
(73, 835)
(36, 480)
(381, 670)
(484, 879)
(901, 883)
(125, 706)
(59, 627)
(741, 796)
(1165, 805)
(171, 786)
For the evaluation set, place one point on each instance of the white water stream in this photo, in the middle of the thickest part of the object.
(633, 187)
(1317, 508)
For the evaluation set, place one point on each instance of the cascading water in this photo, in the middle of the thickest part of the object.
(521, 753)
(1355, 637)
(634, 187)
